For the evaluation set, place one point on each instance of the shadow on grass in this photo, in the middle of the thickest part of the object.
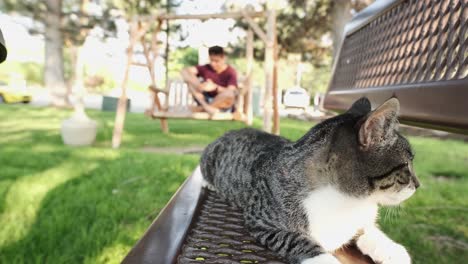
(96, 217)
(21, 162)
(449, 175)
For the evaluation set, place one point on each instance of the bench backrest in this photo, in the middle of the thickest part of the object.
(415, 50)
(179, 97)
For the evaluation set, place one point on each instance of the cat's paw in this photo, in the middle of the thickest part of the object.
(396, 254)
(208, 185)
(322, 259)
(386, 253)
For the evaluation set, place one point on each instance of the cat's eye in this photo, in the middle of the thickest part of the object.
(396, 168)
(384, 187)
(402, 182)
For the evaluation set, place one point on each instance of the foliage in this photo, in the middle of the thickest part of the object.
(179, 59)
(302, 27)
(34, 8)
(68, 66)
(30, 71)
(74, 20)
(100, 82)
(189, 58)
(316, 79)
(131, 8)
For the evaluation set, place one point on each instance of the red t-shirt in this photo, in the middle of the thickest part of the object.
(224, 78)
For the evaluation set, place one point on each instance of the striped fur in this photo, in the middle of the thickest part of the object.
(293, 193)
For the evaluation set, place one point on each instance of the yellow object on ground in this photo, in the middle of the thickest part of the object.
(12, 95)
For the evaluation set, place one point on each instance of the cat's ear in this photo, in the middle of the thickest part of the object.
(361, 107)
(379, 125)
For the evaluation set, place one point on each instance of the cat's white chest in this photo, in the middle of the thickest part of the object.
(335, 218)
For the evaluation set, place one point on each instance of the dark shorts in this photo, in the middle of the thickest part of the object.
(209, 97)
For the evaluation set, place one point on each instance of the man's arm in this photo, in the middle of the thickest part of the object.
(229, 87)
(231, 83)
(189, 75)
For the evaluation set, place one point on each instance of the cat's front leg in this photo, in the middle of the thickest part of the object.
(374, 243)
(322, 259)
(294, 247)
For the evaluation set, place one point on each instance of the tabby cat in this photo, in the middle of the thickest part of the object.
(307, 198)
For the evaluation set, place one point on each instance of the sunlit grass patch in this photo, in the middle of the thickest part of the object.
(23, 198)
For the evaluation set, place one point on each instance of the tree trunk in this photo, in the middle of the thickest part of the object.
(53, 68)
(341, 14)
(78, 64)
(78, 78)
(166, 51)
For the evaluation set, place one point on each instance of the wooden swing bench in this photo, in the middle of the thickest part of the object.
(414, 50)
(178, 102)
(144, 31)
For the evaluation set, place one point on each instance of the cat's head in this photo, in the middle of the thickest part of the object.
(369, 157)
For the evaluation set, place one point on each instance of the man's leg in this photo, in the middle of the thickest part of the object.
(193, 84)
(224, 100)
(201, 100)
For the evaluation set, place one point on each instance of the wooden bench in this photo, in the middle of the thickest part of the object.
(415, 50)
(178, 102)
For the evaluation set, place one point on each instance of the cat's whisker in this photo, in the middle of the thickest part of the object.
(394, 213)
(391, 214)
(387, 213)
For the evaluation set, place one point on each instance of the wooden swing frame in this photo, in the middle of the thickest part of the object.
(143, 26)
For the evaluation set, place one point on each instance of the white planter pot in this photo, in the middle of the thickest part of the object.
(79, 130)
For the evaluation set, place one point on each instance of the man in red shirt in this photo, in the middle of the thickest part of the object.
(218, 88)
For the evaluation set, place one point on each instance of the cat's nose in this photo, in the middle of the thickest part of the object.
(413, 176)
(416, 182)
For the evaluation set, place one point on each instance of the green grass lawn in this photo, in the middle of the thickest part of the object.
(90, 205)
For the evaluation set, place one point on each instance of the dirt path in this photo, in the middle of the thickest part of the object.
(174, 150)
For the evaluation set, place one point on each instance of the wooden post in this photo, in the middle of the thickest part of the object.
(248, 96)
(150, 59)
(269, 60)
(276, 118)
(255, 27)
(224, 15)
(122, 105)
(166, 49)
